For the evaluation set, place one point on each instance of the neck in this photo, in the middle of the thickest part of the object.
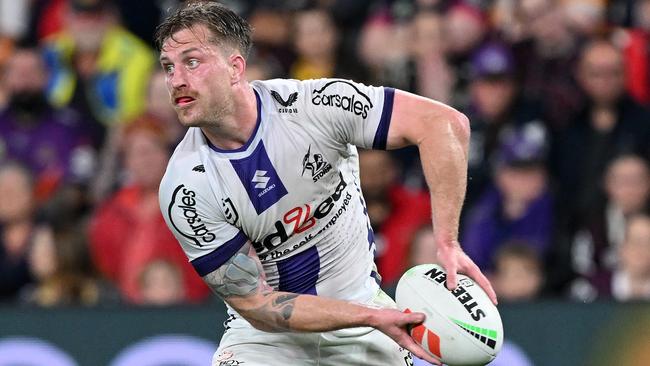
(235, 129)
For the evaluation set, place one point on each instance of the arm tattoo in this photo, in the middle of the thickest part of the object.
(278, 310)
(239, 276)
(242, 275)
(284, 304)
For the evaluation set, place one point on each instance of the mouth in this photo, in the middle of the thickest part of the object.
(183, 101)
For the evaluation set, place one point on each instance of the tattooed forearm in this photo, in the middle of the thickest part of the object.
(241, 282)
(277, 311)
(284, 304)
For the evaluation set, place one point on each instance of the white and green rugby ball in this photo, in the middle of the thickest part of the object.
(462, 327)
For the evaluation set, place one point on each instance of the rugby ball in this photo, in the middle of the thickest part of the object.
(462, 327)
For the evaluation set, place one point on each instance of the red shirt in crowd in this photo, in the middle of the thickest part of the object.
(126, 233)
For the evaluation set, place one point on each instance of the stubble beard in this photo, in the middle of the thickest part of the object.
(211, 118)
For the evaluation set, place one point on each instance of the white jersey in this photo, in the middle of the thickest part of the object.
(292, 189)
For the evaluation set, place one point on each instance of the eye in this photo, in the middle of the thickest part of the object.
(169, 68)
(192, 63)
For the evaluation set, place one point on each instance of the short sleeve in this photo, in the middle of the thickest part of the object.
(207, 237)
(350, 112)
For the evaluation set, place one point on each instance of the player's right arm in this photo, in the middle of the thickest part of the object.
(223, 256)
(240, 282)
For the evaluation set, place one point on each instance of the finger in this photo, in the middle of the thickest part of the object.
(451, 278)
(482, 281)
(414, 318)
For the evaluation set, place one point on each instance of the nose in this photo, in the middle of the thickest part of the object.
(177, 79)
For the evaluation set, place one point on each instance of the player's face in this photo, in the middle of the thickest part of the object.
(198, 77)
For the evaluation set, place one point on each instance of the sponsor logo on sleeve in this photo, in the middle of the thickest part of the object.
(182, 212)
(353, 100)
(285, 104)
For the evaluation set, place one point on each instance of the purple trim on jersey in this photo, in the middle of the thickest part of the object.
(371, 233)
(384, 122)
(208, 263)
(376, 277)
(371, 237)
(299, 273)
(260, 179)
(257, 127)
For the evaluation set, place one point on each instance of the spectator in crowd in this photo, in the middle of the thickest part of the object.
(47, 18)
(56, 145)
(395, 212)
(544, 48)
(465, 28)
(127, 230)
(317, 45)
(315, 42)
(416, 61)
(272, 37)
(262, 67)
(16, 228)
(519, 206)
(13, 25)
(518, 272)
(621, 12)
(637, 53)
(59, 262)
(585, 18)
(97, 65)
(631, 278)
(422, 247)
(595, 244)
(496, 104)
(159, 106)
(434, 76)
(387, 65)
(161, 283)
(610, 124)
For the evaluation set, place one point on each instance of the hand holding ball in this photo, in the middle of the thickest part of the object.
(462, 327)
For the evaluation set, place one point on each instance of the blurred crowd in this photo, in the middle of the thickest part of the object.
(557, 92)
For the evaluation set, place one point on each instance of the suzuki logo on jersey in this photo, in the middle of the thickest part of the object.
(293, 97)
(260, 179)
(184, 200)
(300, 219)
(315, 164)
(356, 102)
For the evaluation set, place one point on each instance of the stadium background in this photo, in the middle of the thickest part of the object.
(557, 92)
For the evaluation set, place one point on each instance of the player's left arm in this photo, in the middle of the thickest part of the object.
(441, 134)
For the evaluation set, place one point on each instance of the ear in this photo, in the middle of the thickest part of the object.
(237, 68)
